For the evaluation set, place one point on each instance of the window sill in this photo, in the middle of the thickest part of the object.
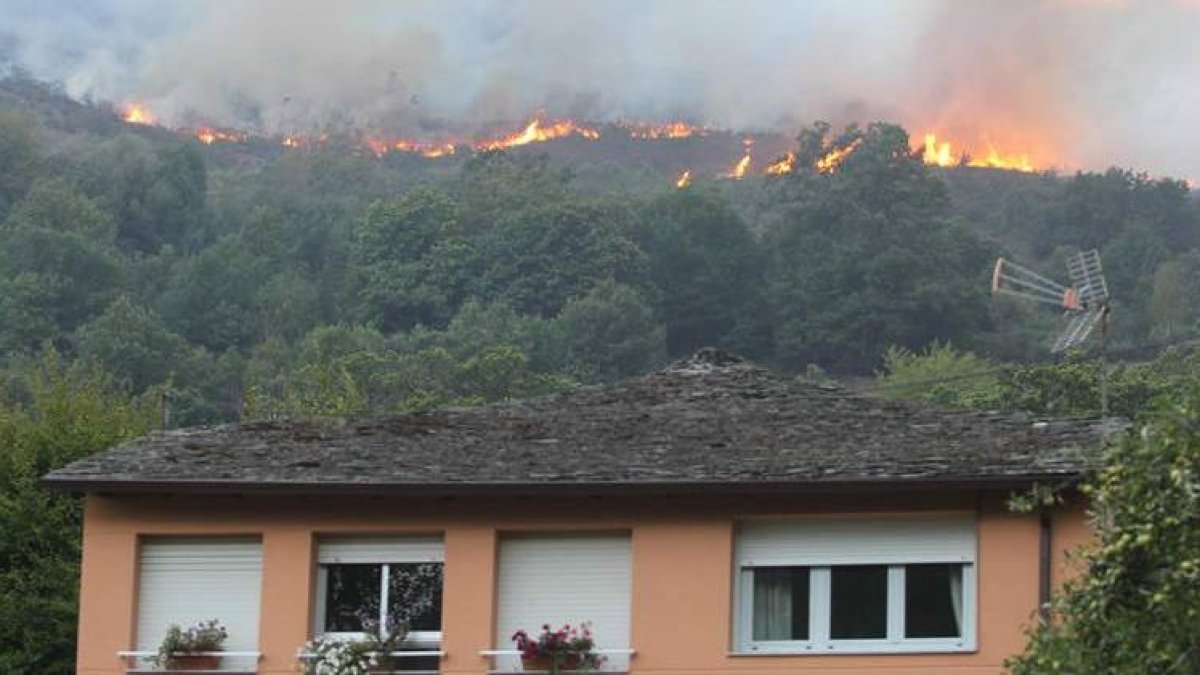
(858, 650)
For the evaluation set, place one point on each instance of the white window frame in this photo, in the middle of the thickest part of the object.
(820, 585)
(424, 550)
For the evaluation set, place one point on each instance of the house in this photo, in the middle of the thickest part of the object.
(708, 518)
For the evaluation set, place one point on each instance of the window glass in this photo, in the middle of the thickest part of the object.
(781, 603)
(352, 597)
(415, 595)
(933, 601)
(858, 597)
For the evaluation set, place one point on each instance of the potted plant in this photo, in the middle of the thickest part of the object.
(356, 656)
(372, 653)
(570, 648)
(339, 656)
(191, 648)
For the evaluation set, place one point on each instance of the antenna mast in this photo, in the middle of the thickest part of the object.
(1086, 302)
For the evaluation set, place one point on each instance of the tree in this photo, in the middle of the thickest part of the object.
(19, 156)
(1134, 608)
(210, 298)
(706, 264)
(940, 374)
(130, 342)
(537, 259)
(868, 256)
(73, 413)
(611, 333)
(54, 204)
(411, 260)
(51, 281)
(493, 184)
(1174, 309)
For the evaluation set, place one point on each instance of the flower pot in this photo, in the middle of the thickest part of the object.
(186, 662)
(546, 663)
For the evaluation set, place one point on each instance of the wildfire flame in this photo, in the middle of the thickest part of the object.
(739, 169)
(650, 131)
(208, 136)
(684, 179)
(536, 132)
(136, 113)
(940, 153)
(937, 154)
(834, 158)
(785, 165)
(430, 150)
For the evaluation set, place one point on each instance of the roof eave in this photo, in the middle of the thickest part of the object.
(555, 488)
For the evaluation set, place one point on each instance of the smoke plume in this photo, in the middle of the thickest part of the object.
(1074, 83)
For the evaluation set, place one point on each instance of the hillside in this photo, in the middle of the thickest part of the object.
(243, 277)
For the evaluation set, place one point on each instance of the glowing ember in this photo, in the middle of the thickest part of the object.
(430, 150)
(785, 165)
(834, 158)
(536, 132)
(136, 113)
(378, 146)
(650, 131)
(684, 179)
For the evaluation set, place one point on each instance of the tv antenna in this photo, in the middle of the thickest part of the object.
(1086, 303)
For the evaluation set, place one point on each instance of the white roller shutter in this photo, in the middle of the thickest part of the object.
(377, 550)
(188, 580)
(841, 541)
(559, 579)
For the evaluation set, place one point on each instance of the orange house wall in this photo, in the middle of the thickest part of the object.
(682, 571)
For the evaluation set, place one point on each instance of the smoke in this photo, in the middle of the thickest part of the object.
(1074, 83)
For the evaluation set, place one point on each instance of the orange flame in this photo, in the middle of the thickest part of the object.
(834, 158)
(739, 169)
(136, 113)
(937, 154)
(684, 179)
(995, 160)
(430, 150)
(785, 165)
(940, 154)
(536, 132)
(651, 131)
(208, 136)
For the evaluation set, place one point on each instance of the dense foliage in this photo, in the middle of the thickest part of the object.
(242, 277)
(941, 374)
(1136, 609)
(69, 413)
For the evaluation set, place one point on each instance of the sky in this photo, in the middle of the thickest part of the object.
(1073, 83)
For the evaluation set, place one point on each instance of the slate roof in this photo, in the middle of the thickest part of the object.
(710, 422)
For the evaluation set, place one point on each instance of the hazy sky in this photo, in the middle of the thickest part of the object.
(1075, 82)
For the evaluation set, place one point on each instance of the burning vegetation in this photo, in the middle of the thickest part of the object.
(941, 153)
(136, 113)
(538, 129)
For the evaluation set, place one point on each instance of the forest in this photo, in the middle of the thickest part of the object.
(150, 281)
(326, 280)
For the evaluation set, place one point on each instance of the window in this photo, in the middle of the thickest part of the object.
(186, 580)
(843, 585)
(565, 578)
(374, 581)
